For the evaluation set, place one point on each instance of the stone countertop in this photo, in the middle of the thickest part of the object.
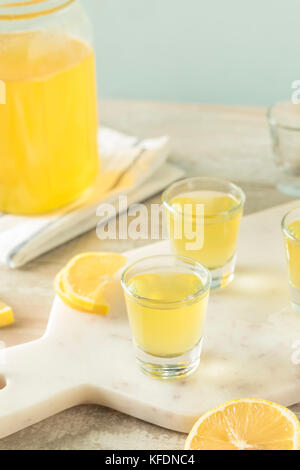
(228, 142)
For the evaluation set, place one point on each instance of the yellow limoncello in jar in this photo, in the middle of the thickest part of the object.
(48, 105)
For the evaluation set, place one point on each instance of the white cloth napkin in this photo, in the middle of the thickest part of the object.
(130, 166)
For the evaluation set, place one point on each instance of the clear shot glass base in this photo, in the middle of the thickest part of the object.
(167, 368)
(223, 276)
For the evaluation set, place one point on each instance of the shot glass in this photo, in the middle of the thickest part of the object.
(203, 218)
(166, 298)
(291, 232)
(284, 123)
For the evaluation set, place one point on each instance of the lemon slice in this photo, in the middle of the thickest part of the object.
(246, 424)
(82, 283)
(6, 315)
(59, 289)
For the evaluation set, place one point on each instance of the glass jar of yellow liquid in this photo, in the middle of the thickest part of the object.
(291, 232)
(48, 110)
(166, 299)
(203, 216)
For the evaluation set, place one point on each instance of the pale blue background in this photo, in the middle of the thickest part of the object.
(216, 51)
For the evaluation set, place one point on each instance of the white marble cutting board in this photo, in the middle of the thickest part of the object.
(248, 349)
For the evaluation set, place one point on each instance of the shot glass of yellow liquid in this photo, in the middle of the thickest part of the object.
(291, 232)
(166, 298)
(203, 218)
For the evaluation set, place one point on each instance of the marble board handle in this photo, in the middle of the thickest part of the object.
(34, 386)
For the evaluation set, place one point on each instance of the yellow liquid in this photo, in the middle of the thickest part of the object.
(220, 231)
(164, 330)
(293, 254)
(48, 126)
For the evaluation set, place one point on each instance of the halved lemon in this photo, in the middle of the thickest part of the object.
(246, 424)
(81, 284)
(6, 315)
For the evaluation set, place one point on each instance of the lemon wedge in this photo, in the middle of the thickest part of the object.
(6, 315)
